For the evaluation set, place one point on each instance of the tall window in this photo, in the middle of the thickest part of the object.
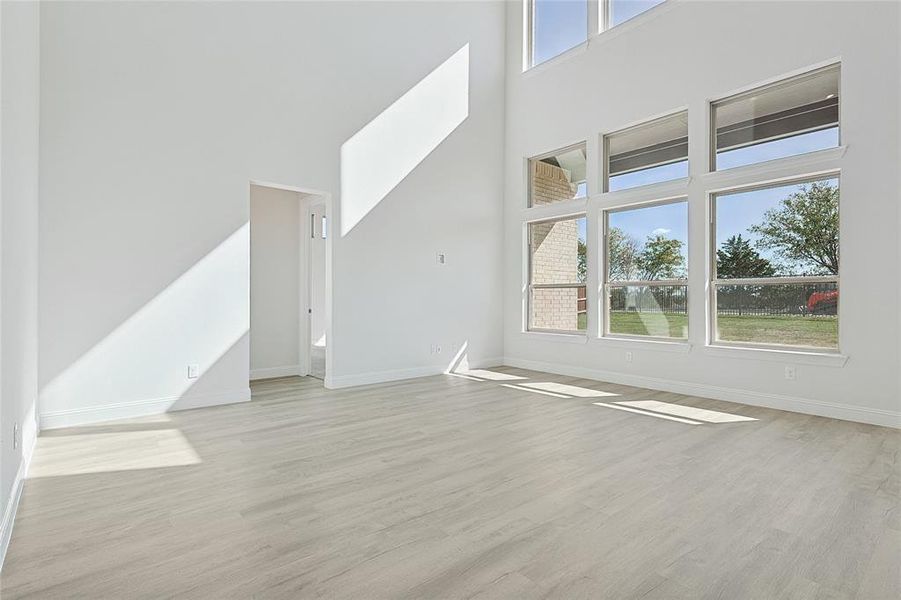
(555, 27)
(646, 270)
(558, 176)
(649, 153)
(791, 117)
(775, 272)
(558, 269)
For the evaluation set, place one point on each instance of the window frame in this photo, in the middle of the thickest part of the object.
(607, 284)
(604, 171)
(760, 89)
(531, 286)
(530, 33)
(599, 13)
(539, 157)
(713, 281)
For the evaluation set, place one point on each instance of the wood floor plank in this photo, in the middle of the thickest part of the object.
(452, 487)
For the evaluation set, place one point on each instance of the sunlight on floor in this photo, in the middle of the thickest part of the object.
(690, 412)
(126, 450)
(534, 391)
(570, 390)
(648, 413)
(490, 375)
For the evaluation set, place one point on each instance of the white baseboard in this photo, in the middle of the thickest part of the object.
(9, 515)
(344, 381)
(141, 408)
(270, 372)
(860, 414)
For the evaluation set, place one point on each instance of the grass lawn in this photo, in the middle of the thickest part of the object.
(821, 332)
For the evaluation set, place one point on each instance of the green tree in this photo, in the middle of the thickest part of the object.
(622, 255)
(582, 261)
(736, 258)
(803, 230)
(661, 258)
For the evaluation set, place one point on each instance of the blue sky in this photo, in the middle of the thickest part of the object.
(735, 213)
(562, 24)
(670, 220)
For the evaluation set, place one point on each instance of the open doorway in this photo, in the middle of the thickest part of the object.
(318, 224)
(289, 291)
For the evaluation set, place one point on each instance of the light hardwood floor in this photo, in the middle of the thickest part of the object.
(456, 487)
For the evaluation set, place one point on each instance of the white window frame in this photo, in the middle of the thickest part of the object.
(599, 17)
(538, 158)
(713, 312)
(605, 149)
(608, 285)
(761, 89)
(534, 286)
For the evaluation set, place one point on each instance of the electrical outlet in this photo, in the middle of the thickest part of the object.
(15, 435)
(441, 258)
(437, 348)
(790, 372)
(193, 371)
(628, 357)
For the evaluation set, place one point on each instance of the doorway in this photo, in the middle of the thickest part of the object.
(289, 282)
(318, 226)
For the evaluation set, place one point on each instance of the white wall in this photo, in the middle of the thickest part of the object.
(684, 54)
(275, 255)
(19, 111)
(155, 116)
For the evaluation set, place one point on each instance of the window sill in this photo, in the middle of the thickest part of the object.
(801, 357)
(652, 192)
(772, 171)
(556, 336)
(563, 56)
(656, 345)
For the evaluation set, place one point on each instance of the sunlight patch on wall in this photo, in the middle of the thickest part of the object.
(195, 320)
(388, 148)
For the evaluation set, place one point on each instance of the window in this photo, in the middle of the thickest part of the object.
(646, 270)
(557, 273)
(648, 153)
(555, 27)
(558, 176)
(785, 119)
(775, 264)
(620, 11)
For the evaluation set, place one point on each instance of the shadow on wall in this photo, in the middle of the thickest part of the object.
(143, 362)
(387, 149)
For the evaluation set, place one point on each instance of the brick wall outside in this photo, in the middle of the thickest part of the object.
(554, 253)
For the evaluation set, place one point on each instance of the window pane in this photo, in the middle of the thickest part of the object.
(557, 26)
(792, 117)
(558, 255)
(785, 230)
(558, 177)
(561, 309)
(650, 153)
(648, 243)
(623, 10)
(558, 251)
(660, 311)
(785, 314)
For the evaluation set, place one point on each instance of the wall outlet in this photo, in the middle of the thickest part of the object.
(790, 372)
(441, 258)
(193, 371)
(628, 357)
(437, 348)
(15, 435)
